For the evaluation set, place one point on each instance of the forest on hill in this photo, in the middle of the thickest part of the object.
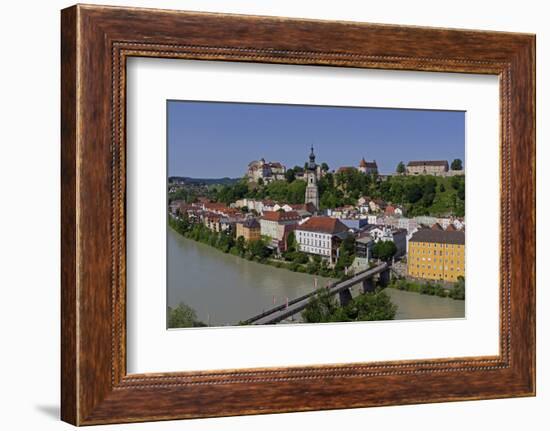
(419, 195)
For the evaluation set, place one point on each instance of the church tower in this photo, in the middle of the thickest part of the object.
(312, 191)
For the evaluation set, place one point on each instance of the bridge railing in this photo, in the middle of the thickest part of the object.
(298, 299)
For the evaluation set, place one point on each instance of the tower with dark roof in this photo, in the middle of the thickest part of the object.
(312, 191)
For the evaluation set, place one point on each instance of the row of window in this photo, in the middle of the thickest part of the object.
(440, 267)
(435, 260)
(413, 252)
(315, 242)
(450, 277)
(314, 250)
(435, 245)
(311, 234)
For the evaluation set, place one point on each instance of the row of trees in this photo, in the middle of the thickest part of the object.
(457, 291)
(223, 241)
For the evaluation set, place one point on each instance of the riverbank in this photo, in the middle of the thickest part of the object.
(258, 251)
(456, 292)
(226, 289)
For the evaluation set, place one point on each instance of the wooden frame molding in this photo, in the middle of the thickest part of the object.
(95, 43)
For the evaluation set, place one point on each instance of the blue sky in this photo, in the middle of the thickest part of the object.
(213, 139)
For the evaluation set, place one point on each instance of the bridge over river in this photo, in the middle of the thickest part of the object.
(342, 288)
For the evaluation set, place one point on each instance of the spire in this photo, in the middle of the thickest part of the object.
(312, 164)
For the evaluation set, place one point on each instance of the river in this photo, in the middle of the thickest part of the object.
(225, 289)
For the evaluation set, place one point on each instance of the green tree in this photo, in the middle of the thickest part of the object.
(183, 316)
(292, 244)
(384, 250)
(258, 249)
(456, 165)
(240, 245)
(324, 307)
(324, 167)
(371, 307)
(458, 291)
(290, 175)
(400, 168)
(413, 192)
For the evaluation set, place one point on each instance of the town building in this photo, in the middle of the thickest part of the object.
(344, 169)
(321, 235)
(363, 248)
(390, 233)
(427, 167)
(272, 223)
(368, 167)
(363, 252)
(394, 210)
(266, 171)
(410, 224)
(174, 206)
(284, 232)
(249, 229)
(365, 167)
(312, 191)
(376, 219)
(437, 254)
(377, 205)
(354, 223)
(212, 221)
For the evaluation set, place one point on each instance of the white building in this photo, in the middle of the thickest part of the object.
(427, 167)
(368, 167)
(266, 171)
(321, 236)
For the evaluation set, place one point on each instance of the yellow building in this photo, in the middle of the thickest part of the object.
(249, 230)
(435, 254)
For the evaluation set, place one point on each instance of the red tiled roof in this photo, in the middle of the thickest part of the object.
(324, 225)
(364, 164)
(304, 207)
(280, 216)
(212, 217)
(345, 169)
(218, 206)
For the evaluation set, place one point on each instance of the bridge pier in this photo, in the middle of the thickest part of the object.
(384, 278)
(345, 297)
(368, 285)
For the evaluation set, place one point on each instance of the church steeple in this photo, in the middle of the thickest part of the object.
(312, 192)
(312, 164)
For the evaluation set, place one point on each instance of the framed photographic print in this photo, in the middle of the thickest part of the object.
(258, 208)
